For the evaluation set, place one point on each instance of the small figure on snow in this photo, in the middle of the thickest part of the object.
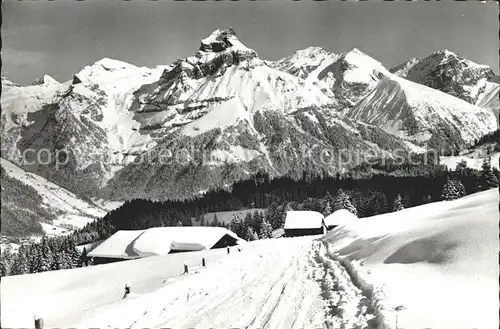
(127, 289)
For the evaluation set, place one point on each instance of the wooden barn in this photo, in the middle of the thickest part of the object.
(339, 217)
(125, 245)
(299, 223)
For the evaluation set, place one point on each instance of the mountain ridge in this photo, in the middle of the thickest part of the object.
(222, 115)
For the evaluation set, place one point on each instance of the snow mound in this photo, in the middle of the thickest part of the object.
(303, 219)
(446, 249)
(340, 217)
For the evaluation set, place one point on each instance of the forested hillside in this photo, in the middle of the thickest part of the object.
(21, 219)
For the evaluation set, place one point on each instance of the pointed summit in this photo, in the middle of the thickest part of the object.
(446, 71)
(444, 52)
(302, 62)
(8, 83)
(221, 40)
(45, 80)
(105, 69)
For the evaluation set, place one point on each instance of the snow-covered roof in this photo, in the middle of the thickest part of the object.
(303, 219)
(160, 241)
(340, 217)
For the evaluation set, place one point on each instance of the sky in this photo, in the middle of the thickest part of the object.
(59, 38)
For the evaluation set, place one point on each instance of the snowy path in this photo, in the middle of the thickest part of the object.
(277, 283)
(268, 285)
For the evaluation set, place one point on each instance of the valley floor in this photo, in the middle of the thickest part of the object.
(433, 266)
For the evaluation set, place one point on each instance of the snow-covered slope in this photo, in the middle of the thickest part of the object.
(474, 157)
(221, 115)
(303, 62)
(228, 79)
(347, 77)
(88, 117)
(63, 298)
(276, 283)
(446, 71)
(423, 114)
(8, 83)
(244, 114)
(490, 97)
(371, 93)
(23, 109)
(437, 264)
(68, 211)
(205, 121)
(439, 261)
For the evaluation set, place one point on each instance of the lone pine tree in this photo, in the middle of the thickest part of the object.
(487, 178)
(452, 189)
(342, 201)
(398, 203)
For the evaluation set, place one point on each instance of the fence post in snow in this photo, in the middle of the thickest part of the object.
(186, 271)
(203, 262)
(228, 250)
(38, 323)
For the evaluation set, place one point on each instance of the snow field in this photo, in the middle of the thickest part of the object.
(438, 261)
(432, 266)
(64, 297)
(265, 286)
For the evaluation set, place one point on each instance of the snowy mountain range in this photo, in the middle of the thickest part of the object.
(446, 71)
(223, 114)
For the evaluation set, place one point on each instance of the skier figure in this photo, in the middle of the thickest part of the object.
(127, 289)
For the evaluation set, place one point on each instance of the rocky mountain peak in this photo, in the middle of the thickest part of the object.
(221, 40)
(8, 83)
(446, 71)
(219, 51)
(103, 70)
(45, 80)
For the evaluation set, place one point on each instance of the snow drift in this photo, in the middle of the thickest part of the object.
(440, 261)
(340, 217)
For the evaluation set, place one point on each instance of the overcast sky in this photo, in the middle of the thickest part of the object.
(60, 37)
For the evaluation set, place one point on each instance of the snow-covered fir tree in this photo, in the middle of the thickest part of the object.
(329, 200)
(398, 203)
(342, 201)
(266, 230)
(236, 226)
(215, 221)
(487, 178)
(328, 209)
(6, 261)
(274, 215)
(83, 258)
(20, 263)
(452, 189)
(257, 221)
(45, 256)
(251, 235)
(4, 266)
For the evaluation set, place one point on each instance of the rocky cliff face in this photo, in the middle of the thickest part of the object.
(446, 71)
(367, 91)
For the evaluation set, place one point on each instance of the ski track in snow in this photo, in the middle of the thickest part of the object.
(278, 283)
